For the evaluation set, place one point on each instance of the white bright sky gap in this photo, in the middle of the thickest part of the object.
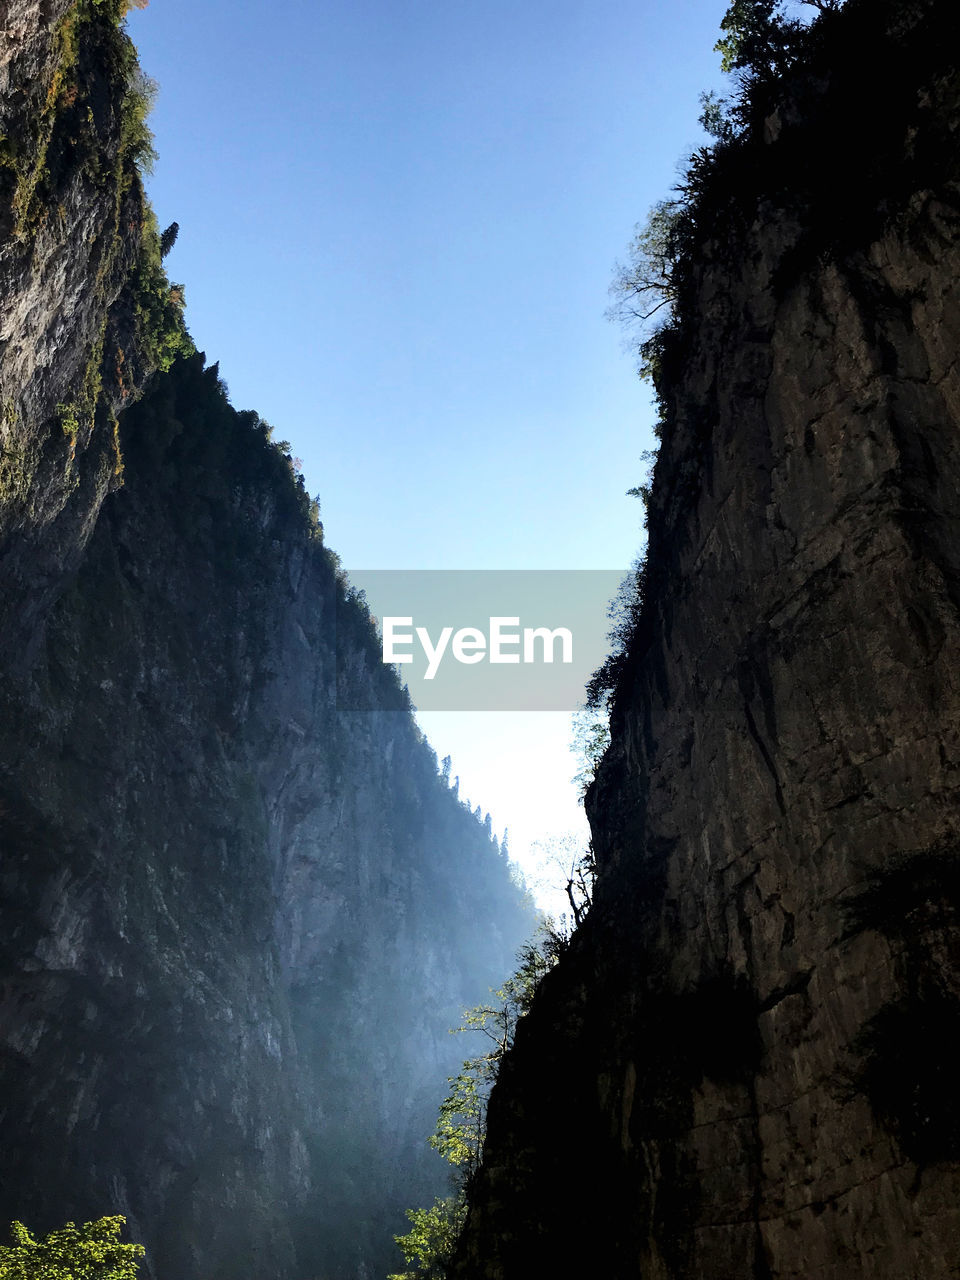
(399, 222)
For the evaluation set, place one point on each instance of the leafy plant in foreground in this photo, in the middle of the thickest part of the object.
(93, 1251)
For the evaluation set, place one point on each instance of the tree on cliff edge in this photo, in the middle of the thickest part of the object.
(461, 1126)
(759, 40)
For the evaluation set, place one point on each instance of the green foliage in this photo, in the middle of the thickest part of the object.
(714, 117)
(81, 411)
(116, 10)
(158, 304)
(430, 1244)
(759, 43)
(756, 37)
(591, 737)
(169, 238)
(461, 1125)
(68, 416)
(759, 39)
(65, 128)
(654, 291)
(647, 289)
(136, 138)
(28, 158)
(92, 1251)
(624, 613)
(224, 460)
(462, 1121)
(92, 120)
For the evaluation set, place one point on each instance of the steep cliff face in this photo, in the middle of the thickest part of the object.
(74, 230)
(744, 1065)
(236, 919)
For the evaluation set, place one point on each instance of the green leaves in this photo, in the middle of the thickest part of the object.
(461, 1125)
(591, 737)
(759, 39)
(93, 1251)
(158, 304)
(431, 1242)
(750, 26)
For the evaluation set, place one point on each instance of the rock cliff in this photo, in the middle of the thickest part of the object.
(236, 918)
(744, 1065)
(82, 297)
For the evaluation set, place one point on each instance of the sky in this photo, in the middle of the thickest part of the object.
(398, 226)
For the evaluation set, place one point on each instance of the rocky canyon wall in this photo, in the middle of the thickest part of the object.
(744, 1064)
(237, 917)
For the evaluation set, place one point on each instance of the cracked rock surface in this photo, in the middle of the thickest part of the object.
(741, 1067)
(237, 916)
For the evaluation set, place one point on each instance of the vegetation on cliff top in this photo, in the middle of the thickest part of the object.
(654, 290)
(88, 124)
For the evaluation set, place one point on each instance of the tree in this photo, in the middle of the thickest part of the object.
(169, 238)
(431, 1242)
(760, 40)
(461, 1125)
(755, 37)
(569, 868)
(91, 1252)
(591, 737)
(624, 612)
(643, 286)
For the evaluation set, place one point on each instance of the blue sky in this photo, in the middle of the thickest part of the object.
(398, 227)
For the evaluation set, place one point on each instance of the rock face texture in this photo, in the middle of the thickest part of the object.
(237, 918)
(72, 231)
(744, 1066)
